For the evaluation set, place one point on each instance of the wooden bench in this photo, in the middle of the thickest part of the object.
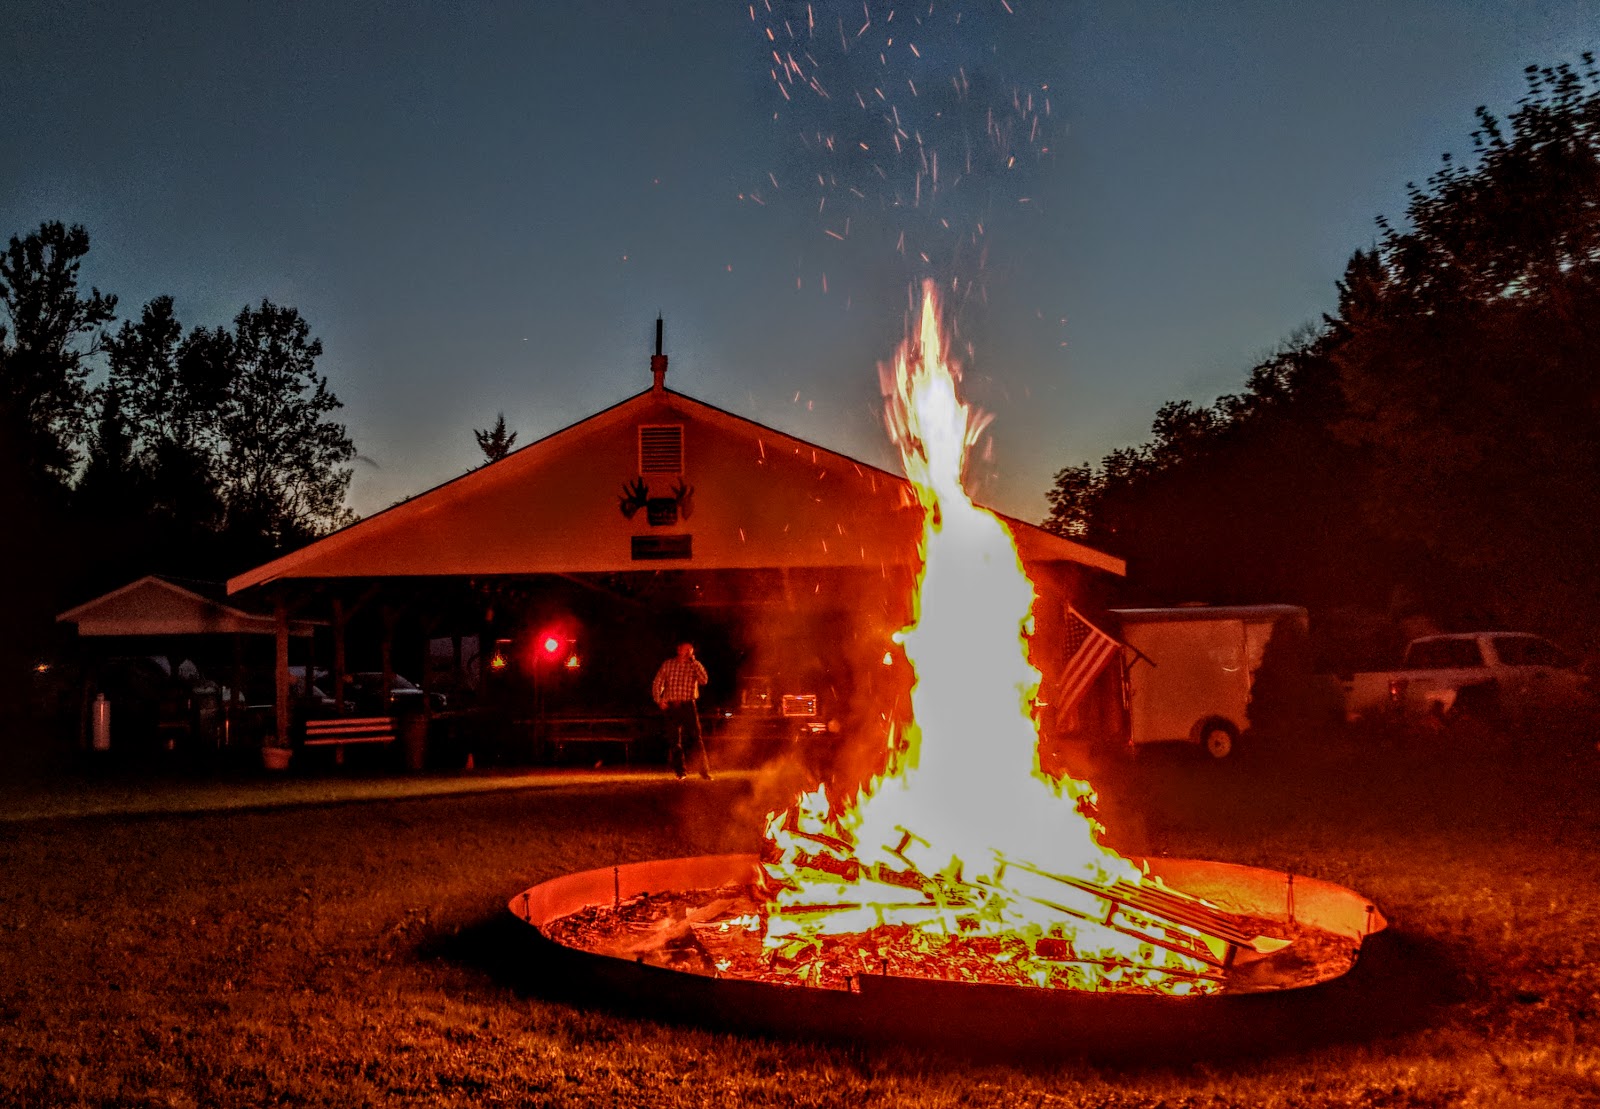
(561, 731)
(337, 731)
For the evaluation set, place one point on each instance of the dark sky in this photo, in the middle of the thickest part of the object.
(482, 207)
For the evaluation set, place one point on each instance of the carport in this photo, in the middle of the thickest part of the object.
(178, 619)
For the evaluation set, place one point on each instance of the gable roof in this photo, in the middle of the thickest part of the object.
(746, 497)
(152, 605)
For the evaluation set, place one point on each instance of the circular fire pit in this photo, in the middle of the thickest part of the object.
(663, 938)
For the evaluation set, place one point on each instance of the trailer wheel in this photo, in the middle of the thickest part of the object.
(1218, 737)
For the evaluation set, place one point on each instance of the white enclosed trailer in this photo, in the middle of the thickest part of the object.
(1191, 671)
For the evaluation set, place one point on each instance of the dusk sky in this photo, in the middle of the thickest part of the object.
(482, 207)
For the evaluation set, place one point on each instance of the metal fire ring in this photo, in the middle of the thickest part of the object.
(902, 1009)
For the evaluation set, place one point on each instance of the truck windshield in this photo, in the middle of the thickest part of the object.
(1444, 654)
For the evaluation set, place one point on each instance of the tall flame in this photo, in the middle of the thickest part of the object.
(974, 783)
(963, 808)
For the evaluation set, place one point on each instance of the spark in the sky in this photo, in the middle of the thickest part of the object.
(907, 126)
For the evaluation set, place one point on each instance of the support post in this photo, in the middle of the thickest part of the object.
(234, 710)
(429, 625)
(387, 649)
(338, 655)
(280, 669)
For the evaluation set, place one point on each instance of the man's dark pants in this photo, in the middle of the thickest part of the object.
(683, 729)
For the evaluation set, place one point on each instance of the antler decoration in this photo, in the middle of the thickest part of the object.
(635, 495)
(684, 495)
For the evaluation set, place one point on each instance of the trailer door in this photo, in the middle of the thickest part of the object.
(1201, 670)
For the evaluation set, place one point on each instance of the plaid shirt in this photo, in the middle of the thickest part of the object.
(679, 680)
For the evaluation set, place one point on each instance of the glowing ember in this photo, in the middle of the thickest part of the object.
(716, 930)
(963, 837)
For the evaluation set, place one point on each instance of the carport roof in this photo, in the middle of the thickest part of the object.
(152, 605)
(736, 495)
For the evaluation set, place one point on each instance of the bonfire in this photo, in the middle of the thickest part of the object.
(963, 860)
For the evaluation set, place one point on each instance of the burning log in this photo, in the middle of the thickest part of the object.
(1145, 924)
(1160, 916)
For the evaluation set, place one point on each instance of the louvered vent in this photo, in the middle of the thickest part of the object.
(661, 449)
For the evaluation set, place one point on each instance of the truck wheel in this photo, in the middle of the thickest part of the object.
(1218, 738)
(1477, 705)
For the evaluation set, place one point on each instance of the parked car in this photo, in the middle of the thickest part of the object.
(402, 696)
(317, 701)
(1495, 676)
(363, 694)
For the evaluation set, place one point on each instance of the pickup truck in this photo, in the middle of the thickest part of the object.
(1488, 675)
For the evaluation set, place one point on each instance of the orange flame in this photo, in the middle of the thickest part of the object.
(963, 835)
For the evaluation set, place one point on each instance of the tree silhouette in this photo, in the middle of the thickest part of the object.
(47, 332)
(282, 462)
(1467, 348)
(51, 331)
(113, 493)
(1434, 439)
(175, 390)
(495, 442)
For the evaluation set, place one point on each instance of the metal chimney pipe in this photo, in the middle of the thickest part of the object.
(658, 363)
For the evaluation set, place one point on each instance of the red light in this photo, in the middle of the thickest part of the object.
(552, 644)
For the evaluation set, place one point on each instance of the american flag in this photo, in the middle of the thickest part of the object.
(1089, 649)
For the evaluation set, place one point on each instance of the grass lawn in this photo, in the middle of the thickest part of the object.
(341, 956)
(108, 793)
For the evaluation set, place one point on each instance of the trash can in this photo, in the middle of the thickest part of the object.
(414, 739)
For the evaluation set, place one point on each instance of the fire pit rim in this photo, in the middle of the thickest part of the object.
(1248, 889)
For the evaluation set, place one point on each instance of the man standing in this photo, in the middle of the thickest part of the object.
(675, 690)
